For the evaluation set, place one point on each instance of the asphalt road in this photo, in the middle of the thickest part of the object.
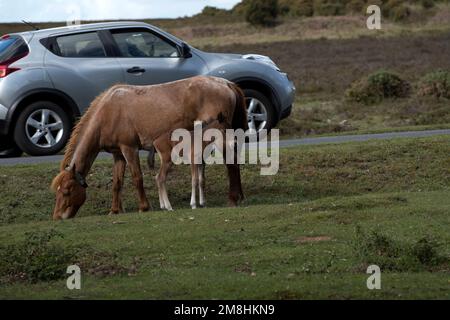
(283, 144)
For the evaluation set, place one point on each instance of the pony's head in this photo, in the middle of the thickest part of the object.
(70, 188)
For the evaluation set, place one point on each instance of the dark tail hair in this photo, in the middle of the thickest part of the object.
(240, 118)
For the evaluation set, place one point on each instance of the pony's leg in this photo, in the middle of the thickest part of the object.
(234, 175)
(195, 180)
(201, 183)
(132, 157)
(118, 178)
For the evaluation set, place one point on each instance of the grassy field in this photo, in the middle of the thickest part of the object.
(309, 232)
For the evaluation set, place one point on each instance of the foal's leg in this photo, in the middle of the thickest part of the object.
(201, 182)
(118, 178)
(164, 147)
(195, 183)
(132, 157)
(161, 179)
(151, 158)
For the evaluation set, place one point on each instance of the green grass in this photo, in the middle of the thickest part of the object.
(294, 238)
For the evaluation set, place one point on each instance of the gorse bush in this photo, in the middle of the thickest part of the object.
(435, 84)
(356, 6)
(391, 255)
(262, 13)
(42, 257)
(427, 4)
(214, 12)
(329, 7)
(396, 10)
(296, 8)
(37, 258)
(377, 86)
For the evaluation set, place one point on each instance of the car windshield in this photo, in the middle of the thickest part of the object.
(10, 47)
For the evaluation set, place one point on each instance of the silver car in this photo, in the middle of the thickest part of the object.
(49, 77)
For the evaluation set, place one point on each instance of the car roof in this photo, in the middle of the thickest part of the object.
(83, 27)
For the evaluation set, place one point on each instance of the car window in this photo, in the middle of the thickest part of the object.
(11, 48)
(83, 45)
(143, 44)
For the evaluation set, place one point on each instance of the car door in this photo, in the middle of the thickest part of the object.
(148, 57)
(82, 66)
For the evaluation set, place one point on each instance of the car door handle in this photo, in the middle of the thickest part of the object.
(135, 70)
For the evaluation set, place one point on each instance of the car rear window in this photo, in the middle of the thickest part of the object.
(12, 48)
(83, 45)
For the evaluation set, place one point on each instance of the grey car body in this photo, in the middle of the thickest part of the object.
(70, 81)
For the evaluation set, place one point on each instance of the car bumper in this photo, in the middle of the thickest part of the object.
(286, 113)
(3, 123)
(287, 98)
(3, 128)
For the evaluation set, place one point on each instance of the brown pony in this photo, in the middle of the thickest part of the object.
(126, 119)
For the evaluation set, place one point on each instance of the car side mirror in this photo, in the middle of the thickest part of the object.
(186, 51)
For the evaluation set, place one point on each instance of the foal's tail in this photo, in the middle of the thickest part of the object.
(240, 120)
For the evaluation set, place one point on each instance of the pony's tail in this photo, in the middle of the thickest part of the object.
(240, 117)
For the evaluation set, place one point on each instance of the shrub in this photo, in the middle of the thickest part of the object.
(41, 258)
(262, 12)
(435, 84)
(396, 10)
(297, 8)
(356, 6)
(400, 13)
(391, 255)
(427, 4)
(329, 7)
(241, 8)
(213, 11)
(377, 86)
(36, 258)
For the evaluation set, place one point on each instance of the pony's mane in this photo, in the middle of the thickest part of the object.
(57, 181)
(78, 130)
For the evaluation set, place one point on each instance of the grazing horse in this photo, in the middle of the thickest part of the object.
(126, 119)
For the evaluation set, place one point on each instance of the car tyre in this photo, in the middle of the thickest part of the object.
(43, 128)
(261, 111)
(10, 150)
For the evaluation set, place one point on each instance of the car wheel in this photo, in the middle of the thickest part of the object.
(261, 113)
(10, 150)
(43, 128)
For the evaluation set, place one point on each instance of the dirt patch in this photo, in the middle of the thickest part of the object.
(306, 240)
